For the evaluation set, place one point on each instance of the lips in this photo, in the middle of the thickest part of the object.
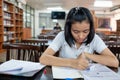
(80, 40)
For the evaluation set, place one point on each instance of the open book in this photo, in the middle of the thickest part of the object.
(65, 72)
(94, 72)
(19, 67)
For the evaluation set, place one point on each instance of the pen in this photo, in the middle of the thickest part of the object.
(68, 79)
(18, 69)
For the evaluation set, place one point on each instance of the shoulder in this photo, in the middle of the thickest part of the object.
(96, 40)
(98, 44)
(96, 37)
(58, 41)
(61, 34)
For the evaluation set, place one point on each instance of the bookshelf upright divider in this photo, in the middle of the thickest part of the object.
(1, 25)
(18, 23)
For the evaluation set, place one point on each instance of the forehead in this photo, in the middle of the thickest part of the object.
(80, 25)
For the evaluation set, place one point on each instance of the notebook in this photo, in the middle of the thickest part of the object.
(20, 68)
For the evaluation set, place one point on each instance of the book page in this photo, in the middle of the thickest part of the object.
(65, 72)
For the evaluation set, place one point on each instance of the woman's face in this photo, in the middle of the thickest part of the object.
(80, 31)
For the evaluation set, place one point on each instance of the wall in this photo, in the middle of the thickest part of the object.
(38, 29)
(114, 15)
(44, 19)
(113, 20)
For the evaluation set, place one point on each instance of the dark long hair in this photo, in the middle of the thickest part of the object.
(78, 14)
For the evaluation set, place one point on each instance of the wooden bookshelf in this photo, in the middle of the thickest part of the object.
(18, 23)
(11, 23)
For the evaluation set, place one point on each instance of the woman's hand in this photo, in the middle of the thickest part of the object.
(81, 62)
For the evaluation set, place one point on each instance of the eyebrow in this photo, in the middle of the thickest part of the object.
(83, 30)
(86, 29)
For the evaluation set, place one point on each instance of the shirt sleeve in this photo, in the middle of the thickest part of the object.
(57, 42)
(99, 45)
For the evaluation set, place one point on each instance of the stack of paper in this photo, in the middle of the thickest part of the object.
(100, 72)
(18, 67)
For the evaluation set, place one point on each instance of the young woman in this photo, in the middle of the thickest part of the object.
(77, 43)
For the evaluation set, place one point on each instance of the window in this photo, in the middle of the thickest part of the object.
(28, 16)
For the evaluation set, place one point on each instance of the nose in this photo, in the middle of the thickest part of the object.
(80, 35)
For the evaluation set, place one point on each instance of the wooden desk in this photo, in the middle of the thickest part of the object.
(41, 75)
(49, 75)
(38, 76)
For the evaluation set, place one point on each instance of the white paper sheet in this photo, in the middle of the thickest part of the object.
(64, 72)
(100, 72)
(18, 66)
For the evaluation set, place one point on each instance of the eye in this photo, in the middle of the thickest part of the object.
(75, 31)
(86, 31)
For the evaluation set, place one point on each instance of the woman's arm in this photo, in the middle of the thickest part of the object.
(106, 57)
(47, 58)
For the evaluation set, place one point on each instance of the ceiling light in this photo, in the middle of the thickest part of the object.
(54, 8)
(55, 20)
(102, 3)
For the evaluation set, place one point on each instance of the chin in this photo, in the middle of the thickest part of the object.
(80, 41)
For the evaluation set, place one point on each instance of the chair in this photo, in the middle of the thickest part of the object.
(39, 42)
(115, 48)
(42, 36)
(22, 52)
(47, 36)
(50, 37)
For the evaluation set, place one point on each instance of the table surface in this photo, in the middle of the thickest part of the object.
(44, 74)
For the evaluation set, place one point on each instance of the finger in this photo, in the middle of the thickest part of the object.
(81, 56)
(82, 67)
(84, 63)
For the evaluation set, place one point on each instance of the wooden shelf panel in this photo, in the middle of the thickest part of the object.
(10, 26)
(8, 2)
(9, 12)
(10, 21)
